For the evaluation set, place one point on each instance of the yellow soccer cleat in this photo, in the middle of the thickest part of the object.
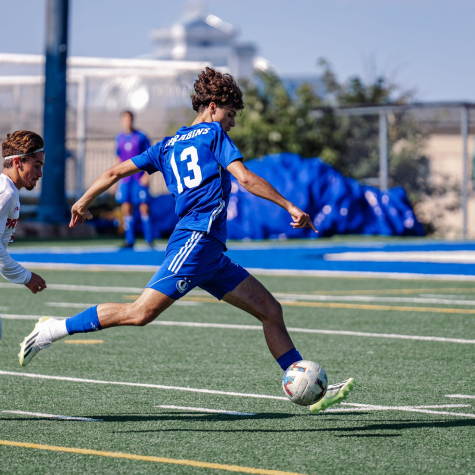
(334, 395)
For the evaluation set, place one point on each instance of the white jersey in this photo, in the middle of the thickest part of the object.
(9, 215)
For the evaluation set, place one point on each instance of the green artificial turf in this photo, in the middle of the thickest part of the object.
(281, 436)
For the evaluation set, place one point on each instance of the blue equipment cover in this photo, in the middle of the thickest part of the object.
(337, 204)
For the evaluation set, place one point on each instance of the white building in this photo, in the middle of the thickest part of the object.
(201, 36)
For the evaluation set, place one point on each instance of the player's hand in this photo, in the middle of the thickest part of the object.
(79, 215)
(300, 219)
(36, 283)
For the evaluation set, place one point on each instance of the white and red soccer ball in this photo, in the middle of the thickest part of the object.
(305, 382)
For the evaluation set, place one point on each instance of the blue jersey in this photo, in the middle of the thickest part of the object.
(194, 163)
(130, 145)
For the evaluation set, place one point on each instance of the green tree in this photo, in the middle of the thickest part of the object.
(305, 123)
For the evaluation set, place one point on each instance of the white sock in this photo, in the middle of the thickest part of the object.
(57, 329)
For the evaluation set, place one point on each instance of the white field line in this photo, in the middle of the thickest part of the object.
(141, 385)
(69, 305)
(8, 316)
(213, 411)
(179, 303)
(291, 329)
(53, 416)
(91, 267)
(227, 393)
(324, 332)
(446, 257)
(371, 407)
(81, 288)
(82, 250)
(369, 298)
(361, 274)
(460, 396)
(259, 271)
(288, 296)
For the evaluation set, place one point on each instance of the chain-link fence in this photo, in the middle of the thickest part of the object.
(428, 149)
(425, 148)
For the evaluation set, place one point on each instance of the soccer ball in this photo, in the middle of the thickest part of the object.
(305, 382)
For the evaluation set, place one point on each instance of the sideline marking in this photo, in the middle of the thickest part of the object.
(354, 306)
(259, 271)
(310, 330)
(141, 385)
(84, 342)
(54, 416)
(213, 411)
(225, 393)
(292, 329)
(445, 257)
(147, 458)
(395, 291)
(69, 305)
(460, 396)
(368, 298)
(139, 290)
(371, 407)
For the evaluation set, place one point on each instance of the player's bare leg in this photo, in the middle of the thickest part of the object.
(252, 297)
(48, 330)
(144, 310)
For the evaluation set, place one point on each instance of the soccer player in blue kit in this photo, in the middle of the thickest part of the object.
(197, 164)
(133, 190)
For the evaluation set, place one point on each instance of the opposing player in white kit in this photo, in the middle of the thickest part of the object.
(23, 160)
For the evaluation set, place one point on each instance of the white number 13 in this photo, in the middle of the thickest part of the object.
(193, 166)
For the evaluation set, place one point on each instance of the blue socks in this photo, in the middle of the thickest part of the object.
(84, 322)
(288, 358)
(129, 230)
(146, 228)
(129, 223)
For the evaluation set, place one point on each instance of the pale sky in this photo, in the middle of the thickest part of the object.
(427, 45)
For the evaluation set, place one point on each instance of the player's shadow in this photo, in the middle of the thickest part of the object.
(184, 416)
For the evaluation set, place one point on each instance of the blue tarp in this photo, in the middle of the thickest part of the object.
(337, 205)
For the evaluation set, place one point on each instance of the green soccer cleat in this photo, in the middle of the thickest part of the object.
(34, 342)
(334, 395)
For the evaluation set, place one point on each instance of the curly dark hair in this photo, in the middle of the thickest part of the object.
(19, 143)
(213, 86)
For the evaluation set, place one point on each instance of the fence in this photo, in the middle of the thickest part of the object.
(425, 148)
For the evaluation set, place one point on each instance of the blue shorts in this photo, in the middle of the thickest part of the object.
(132, 192)
(194, 259)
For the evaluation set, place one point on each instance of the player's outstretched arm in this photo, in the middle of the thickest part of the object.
(262, 188)
(79, 211)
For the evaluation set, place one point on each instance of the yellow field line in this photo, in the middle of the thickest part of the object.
(355, 306)
(458, 290)
(84, 342)
(147, 458)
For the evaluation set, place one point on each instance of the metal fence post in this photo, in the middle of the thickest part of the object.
(53, 205)
(81, 132)
(383, 152)
(464, 130)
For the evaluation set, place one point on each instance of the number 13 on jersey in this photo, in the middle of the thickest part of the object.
(190, 154)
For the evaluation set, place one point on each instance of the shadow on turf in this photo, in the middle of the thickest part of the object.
(193, 417)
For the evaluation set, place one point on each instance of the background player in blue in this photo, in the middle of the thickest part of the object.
(197, 164)
(133, 190)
